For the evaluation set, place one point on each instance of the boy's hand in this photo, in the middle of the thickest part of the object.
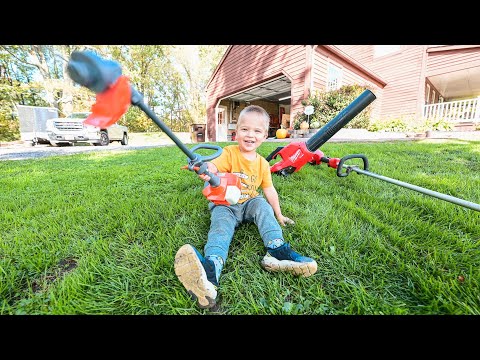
(204, 177)
(283, 220)
(211, 169)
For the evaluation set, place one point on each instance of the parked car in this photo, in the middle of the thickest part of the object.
(71, 129)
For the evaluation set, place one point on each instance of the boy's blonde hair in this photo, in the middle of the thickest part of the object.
(256, 109)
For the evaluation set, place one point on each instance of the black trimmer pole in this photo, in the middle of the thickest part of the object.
(348, 168)
(88, 69)
(339, 121)
(137, 100)
(296, 154)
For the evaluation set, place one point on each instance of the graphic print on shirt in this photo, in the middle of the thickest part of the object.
(249, 189)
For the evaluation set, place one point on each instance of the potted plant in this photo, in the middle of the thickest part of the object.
(314, 126)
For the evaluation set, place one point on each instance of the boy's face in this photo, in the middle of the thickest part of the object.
(251, 132)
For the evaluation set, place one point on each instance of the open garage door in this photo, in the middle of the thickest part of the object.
(273, 95)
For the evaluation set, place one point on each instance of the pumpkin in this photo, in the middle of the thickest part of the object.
(281, 133)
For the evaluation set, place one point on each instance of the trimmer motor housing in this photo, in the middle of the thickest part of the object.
(294, 157)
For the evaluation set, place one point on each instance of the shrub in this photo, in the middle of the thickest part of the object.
(439, 125)
(327, 105)
(391, 125)
(9, 127)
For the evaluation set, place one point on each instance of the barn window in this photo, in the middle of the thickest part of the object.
(334, 77)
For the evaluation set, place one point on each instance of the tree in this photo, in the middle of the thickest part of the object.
(172, 80)
(150, 70)
(197, 63)
(43, 68)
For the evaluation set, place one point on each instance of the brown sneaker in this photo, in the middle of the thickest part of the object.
(191, 273)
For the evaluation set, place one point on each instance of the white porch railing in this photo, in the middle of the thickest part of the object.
(455, 111)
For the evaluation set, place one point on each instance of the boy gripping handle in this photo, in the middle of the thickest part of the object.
(200, 274)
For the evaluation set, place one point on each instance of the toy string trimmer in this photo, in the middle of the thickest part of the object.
(115, 95)
(296, 154)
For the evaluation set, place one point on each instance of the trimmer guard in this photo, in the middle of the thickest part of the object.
(111, 104)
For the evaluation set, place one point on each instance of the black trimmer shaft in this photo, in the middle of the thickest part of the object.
(339, 121)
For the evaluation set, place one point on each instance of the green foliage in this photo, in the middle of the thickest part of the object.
(8, 131)
(171, 78)
(327, 104)
(408, 124)
(13, 92)
(439, 125)
(9, 127)
(391, 125)
(137, 121)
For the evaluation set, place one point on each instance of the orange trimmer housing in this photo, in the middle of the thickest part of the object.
(227, 193)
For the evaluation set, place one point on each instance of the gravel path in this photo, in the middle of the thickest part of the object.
(22, 152)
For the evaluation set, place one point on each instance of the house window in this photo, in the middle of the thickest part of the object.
(434, 94)
(382, 50)
(427, 97)
(334, 77)
(440, 98)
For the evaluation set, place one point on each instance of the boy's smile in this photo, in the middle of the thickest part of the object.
(251, 133)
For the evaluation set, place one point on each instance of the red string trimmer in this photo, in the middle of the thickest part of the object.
(114, 96)
(296, 154)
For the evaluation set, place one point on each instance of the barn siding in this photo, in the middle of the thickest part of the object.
(320, 73)
(361, 53)
(442, 62)
(248, 65)
(351, 75)
(403, 72)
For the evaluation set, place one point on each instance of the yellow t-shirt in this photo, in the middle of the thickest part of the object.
(252, 173)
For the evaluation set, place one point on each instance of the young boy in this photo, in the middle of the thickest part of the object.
(200, 275)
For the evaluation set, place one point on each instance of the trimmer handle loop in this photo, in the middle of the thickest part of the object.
(350, 167)
(209, 147)
(198, 163)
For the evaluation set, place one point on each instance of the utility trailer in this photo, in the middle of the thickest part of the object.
(33, 123)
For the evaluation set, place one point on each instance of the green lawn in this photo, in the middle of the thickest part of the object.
(97, 233)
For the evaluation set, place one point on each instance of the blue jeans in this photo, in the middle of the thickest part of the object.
(224, 219)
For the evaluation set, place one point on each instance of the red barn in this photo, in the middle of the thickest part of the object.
(410, 81)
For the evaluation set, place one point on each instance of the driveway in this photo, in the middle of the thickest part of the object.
(19, 151)
(23, 152)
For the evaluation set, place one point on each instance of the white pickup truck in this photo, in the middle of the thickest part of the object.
(71, 129)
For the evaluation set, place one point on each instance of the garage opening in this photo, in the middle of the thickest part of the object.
(273, 95)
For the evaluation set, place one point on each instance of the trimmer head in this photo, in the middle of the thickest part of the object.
(104, 77)
(88, 69)
(111, 104)
(114, 96)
